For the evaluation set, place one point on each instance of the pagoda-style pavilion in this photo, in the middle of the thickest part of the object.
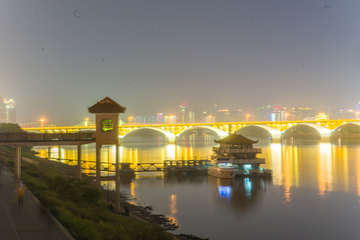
(240, 151)
(107, 121)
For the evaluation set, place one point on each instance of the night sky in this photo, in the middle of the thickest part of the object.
(59, 57)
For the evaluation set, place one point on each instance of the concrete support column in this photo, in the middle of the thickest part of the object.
(17, 161)
(79, 160)
(98, 165)
(117, 179)
(49, 151)
(59, 151)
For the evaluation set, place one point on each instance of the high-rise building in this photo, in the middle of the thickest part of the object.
(191, 117)
(7, 111)
(160, 118)
(182, 113)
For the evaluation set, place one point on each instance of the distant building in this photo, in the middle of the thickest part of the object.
(191, 117)
(301, 113)
(160, 118)
(263, 114)
(7, 111)
(223, 115)
(145, 119)
(182, 113)
(170, 119)
(342, 113)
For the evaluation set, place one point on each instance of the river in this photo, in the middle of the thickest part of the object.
(314, 192)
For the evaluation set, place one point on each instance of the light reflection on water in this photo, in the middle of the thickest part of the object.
(313, 194)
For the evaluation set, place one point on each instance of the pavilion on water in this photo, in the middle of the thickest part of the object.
(241, 153)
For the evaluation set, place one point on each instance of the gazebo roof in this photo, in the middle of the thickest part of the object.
(235, 139)
(107, 105)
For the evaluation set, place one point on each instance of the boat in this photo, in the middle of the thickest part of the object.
(241, 153)
(222, 168)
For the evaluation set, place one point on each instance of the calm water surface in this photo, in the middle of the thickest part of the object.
(314, 192)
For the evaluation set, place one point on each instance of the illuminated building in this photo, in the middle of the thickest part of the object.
(7, 111)
(182, 113)
(160, 117)
(301, 113)
(191, 117)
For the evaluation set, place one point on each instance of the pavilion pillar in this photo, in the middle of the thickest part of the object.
(98, 165)
(117, 179)
(17, 161)
(79, 161)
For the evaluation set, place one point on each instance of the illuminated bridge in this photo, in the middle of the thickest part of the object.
(275, 129)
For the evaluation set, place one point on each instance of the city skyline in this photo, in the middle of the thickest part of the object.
(58, 58)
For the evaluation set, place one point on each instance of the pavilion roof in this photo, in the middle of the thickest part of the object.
(107, 105)
(235, 139)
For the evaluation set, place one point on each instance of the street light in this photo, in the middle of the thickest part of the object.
(209, 118)
(130, 118)
(286, 116)
(42, 120)
(247, 117)
(87, 121)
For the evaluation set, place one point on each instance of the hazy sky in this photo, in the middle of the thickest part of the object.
(59, 57)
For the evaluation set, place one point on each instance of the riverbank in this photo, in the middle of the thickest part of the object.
(80, 207)
(36, 170)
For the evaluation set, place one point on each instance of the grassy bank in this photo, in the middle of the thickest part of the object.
(79, 206)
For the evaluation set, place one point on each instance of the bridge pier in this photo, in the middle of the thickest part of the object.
(172, 140)
(325, 139)
(17, 161)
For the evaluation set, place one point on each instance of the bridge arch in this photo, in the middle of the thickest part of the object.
(218, 131)
(323, 131)
(349, 131)
(274, 133)
(346, 124)
(170, 136)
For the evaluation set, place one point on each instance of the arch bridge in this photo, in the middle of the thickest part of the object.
(276, 129)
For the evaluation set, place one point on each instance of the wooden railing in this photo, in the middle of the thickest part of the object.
(236, 150)
(247, 161)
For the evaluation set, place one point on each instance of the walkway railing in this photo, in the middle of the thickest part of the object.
(35, 137)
